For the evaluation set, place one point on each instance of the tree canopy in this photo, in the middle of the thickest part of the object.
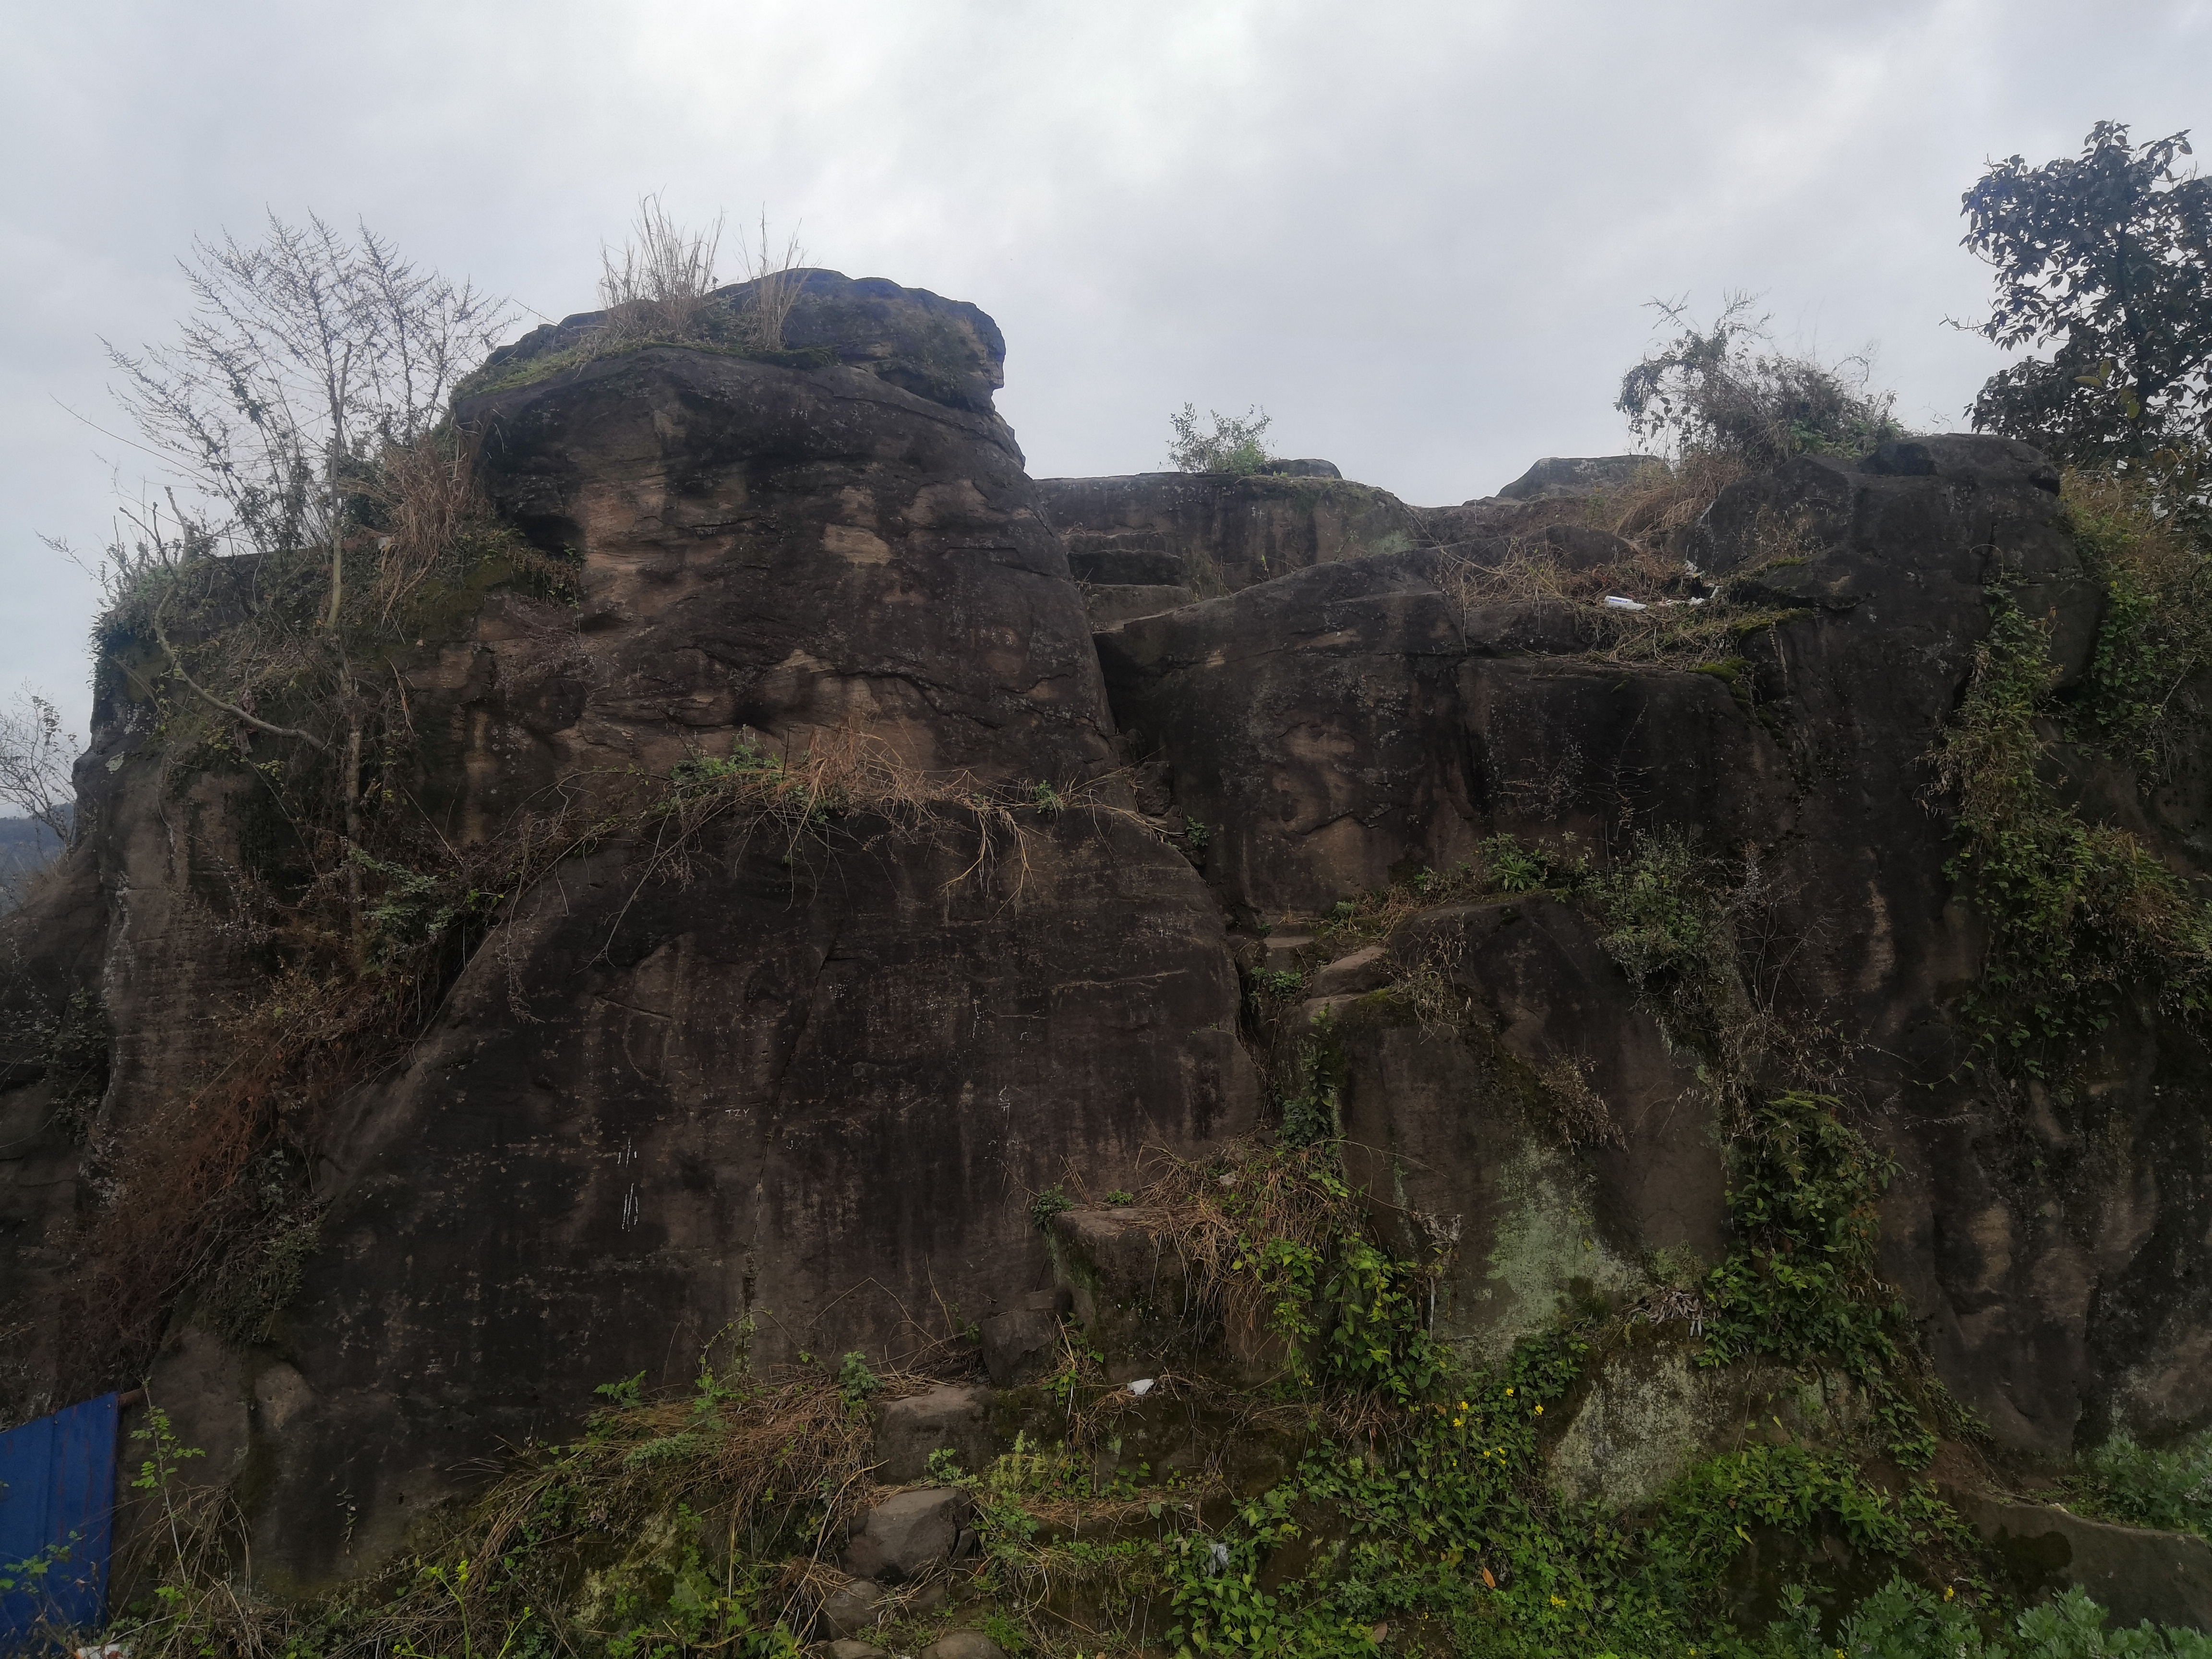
(2106, 260)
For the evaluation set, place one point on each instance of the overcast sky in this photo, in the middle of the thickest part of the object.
(1420, 234)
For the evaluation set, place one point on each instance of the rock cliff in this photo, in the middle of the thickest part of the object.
(1173, 809)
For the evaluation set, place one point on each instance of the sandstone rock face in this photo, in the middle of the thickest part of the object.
(2137, 1572)
(797, 1085)
(802, 1081)
(1310, 723)
(1557, 477)
(1349, 724)
(1216, 532)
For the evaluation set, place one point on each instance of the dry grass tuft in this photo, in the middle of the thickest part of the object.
(662, 288)
(1680, 624)
(657, 289)
(776, 279)
(1656, 511)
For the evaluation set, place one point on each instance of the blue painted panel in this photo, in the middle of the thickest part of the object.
(57, 1518)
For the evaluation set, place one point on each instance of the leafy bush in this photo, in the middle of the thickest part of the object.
(856, 1381)
(2142, 704)
(1233, 445)
(1802, 1285)
(1903, 1620)
(2124, 1481)
(2105, 258)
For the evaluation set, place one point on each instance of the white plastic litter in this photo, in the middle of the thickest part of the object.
(1141, 1386)
(1622, 602)
(1218, 1561)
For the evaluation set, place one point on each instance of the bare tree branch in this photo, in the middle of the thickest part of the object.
(177, 667)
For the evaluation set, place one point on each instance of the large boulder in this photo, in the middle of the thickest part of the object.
(907, 1536)
(786, 1074)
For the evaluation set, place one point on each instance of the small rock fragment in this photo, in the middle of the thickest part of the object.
(851, 1608)
(963, 1645)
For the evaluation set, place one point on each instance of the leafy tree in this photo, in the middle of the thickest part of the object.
(2105, 258)
(1233, 445)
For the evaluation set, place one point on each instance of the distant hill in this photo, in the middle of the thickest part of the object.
(26, 847)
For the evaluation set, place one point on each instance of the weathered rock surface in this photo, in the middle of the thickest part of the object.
(1216, 533)
(1344, 724)
(1555, 476)
(1310, 724)
(851, 1608)
(799, 1089)
(963, 1645)
(809, 1085)
(2135, 1572)
(907, 1535)
(1025, 1344)
(955, 1417)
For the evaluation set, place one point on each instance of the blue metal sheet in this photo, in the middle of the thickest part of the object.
(57, 1518)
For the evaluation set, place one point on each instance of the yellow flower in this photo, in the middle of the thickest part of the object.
(1509, 1393)
(1949, 1591)
(1540, 1410)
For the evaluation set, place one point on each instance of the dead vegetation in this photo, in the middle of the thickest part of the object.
(661, 288)
(656, 289)
(689, 1523)
(1726, 389)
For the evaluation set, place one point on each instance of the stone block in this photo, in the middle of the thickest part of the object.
(851, 1608)
(906, 1535)
(954, 1417)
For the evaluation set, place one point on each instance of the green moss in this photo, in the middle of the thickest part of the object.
(522, 370)
(1649, 1416)
(1547, 1253)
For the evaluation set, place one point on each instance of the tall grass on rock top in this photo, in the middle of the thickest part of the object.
(1726, 387)
(661, 289)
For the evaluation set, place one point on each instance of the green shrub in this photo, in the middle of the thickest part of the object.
(2124, 1481)
(1903, 1620)
(1802, 1285)
(1726, 389)
(856, 1381)
(1233, 445)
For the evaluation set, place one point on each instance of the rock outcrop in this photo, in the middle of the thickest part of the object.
(1121, 755)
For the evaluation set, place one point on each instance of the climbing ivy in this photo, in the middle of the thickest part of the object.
(2082, 914)
(1801, 1285)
